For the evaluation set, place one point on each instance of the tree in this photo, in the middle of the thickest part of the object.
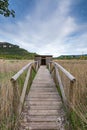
(4, 10)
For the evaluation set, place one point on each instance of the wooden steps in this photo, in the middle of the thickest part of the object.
(43, 107)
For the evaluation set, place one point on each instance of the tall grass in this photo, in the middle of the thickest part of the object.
(78, 68)
(7, 69)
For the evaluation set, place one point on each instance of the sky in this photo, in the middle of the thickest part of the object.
(52, 27)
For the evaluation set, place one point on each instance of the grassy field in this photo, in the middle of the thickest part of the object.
(78, 68)
(7, 69)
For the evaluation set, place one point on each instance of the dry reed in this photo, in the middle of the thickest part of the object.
(77, 68)
(7, 69)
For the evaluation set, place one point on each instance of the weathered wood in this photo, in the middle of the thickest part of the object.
(43, 118)
(43, 105)
(46, 107)
(71, 77)
(34, 69)
(61, 85)
(71, 93)
(37, 66)
(36, 103)
(43, 99)
(43, 125)
(16, 76)
(43, 112)
(43, 95)
(24, 91)
(51, 70)
(42, 90)
(15, 100)
(49, 66)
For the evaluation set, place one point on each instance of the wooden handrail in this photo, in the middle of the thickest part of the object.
(18, 103)
(71, 77)
(16, 76)
(24, 90)
(61, 86)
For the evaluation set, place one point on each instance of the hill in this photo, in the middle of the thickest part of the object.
(84, 56)
(10, 51)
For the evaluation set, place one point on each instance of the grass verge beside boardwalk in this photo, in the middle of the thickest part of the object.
(7, 69)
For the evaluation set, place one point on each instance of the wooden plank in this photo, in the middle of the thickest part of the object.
(43, 125)
(43, 118)
(44, 95)
(40, 83)
(42, 90)
(42, 99)
(45, 107)
(43, 112)
(43, 104)
(40, 86)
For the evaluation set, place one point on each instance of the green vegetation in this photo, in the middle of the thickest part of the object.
(22, 79)
(33, 73)
(7, 69)
(4, 10)
(76, 122)
(8, 123)
(15, 53)
(20, 88)
(70, 57)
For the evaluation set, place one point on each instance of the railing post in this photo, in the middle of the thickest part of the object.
(15, 97)
(38, 63)
(18, 99)
(71, 93)
(55, 79)
(49, 66)
(24, 90)
(61, 86)
(37, 66)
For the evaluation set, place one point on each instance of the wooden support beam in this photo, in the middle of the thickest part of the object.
(34, 69)
(51, 69)
(71, 93)
(16, 97)
(24, 91)
(61, 86)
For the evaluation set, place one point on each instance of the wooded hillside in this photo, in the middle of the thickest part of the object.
(10, 51)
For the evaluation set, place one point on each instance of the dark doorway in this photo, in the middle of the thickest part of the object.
(43, 61)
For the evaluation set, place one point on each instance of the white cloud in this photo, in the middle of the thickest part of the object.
(47, 33)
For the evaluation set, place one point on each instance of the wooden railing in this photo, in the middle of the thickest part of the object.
(69, 90)
(18, 97)
(66, 91)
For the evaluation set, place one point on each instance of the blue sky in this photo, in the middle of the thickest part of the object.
(56, 27)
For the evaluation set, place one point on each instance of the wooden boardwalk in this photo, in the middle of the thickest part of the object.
(43, 108)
